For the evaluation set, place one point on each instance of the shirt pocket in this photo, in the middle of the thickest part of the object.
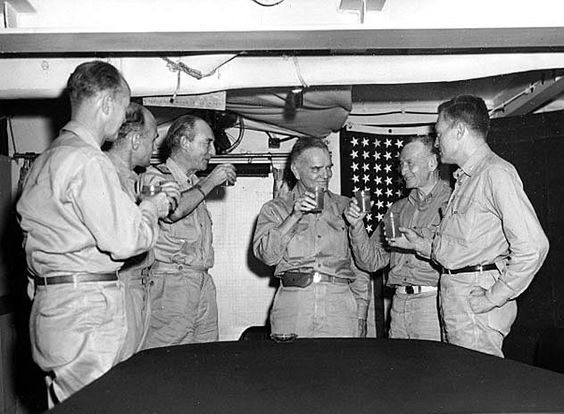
(336, 239)
(460, 224)
(302, 244)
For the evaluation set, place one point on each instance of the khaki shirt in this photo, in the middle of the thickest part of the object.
(489, 219)
(128, 179)
(74, 214)
(317, 241)
(187, 241)
(406, 267)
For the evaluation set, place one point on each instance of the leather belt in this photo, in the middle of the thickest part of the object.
(411, 290)
(75, 278)
(471, 269)
(292, 278)
(163, 266)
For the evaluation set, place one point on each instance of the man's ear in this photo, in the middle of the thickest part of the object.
(135, 140)
(433, 162)
(107, 102)
(184, 141)
(295, 171)
(460, 128)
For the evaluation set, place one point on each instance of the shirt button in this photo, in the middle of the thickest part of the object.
(319, 236)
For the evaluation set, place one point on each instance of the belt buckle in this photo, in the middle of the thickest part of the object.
(410, 290)
(316, 277)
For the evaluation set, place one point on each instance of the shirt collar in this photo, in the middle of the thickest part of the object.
(83, 132)
(473, 161)
(414, 199)
(179, 174)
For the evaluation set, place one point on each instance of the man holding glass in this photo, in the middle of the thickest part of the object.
(78, 225)
(490, 243)
(322, 293)
(182, 293)
(414, 313)
(132, 149)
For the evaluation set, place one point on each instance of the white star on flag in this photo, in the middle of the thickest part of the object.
(374, 168)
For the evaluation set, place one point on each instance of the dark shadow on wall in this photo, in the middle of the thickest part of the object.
(261, 270)
(534, 144)
(28, 382)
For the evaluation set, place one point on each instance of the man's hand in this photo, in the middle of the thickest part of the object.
(362, 328)
(304, 204)
(407, 241)
(479, 301)
(161, 201)
(353, 214)
(172, 192)
(223, 173)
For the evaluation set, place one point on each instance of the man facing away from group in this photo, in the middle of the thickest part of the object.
(182, 292)
(490, 243)
(414, 313)
(78, 226)
(322, 292)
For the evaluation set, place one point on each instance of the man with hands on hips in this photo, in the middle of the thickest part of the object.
(414, 313)
(322, 293)
(183, 295)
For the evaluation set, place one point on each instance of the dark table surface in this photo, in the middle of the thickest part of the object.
(320, 376)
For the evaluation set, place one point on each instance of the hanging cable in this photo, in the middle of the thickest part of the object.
(182, 67)
(299, 73)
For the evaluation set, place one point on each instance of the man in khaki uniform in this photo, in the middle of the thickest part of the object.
(415, 309)
(490, 243)
(132, 149)
(78, 224)
(183, 297)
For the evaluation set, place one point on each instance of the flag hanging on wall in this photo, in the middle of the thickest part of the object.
(371, 162)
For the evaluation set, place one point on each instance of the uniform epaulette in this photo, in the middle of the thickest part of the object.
(163, 168)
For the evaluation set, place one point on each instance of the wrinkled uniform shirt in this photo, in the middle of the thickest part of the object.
(189, 240)
(406, 267)
(128, 180)
(489, 219)
(318, 241)
(74, 213)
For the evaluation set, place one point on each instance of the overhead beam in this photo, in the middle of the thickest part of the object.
(530, 98)
(373, 41)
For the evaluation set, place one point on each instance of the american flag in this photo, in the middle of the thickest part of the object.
(371, 162)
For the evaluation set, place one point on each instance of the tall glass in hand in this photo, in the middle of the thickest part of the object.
(364, 200)
(319, 193)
